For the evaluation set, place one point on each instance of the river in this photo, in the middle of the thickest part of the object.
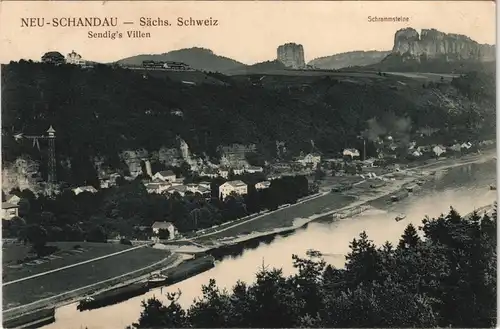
(465, 188)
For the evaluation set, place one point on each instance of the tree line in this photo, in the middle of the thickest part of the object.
(442, 274)
(128, 210)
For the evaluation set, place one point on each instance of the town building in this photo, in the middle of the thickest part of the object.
(467, 145)
(157, 186)
(157, 226)
(239, 171)
(438, 150)
(352, 153)
(82, 189)
(166, 176)
(209, 172)
(310, 159)
(262, 185)
(224, 173)
(9, 210)
(181, 189)
(254, 169)
(236, 186)
(205, 184)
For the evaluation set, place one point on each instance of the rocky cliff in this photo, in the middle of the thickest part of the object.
(435, 44)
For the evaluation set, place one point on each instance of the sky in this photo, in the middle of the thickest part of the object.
(248, 31)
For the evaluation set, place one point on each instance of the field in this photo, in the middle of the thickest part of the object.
(284, 217)
(52, 284)
(67, 255)
(197, 77)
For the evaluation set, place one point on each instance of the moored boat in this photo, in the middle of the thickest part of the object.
(156, 280)
(112, 296)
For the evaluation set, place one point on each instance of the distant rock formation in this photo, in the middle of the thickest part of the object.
(291, 55)
(347, 59)
(435, 44)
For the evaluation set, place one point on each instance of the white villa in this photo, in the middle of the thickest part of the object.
(262, 185)
(157, 226)
(236, 186)
(351, 153)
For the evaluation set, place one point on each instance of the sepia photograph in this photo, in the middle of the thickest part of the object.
(248, 164)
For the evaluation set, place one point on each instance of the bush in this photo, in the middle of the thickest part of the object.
(125, 242)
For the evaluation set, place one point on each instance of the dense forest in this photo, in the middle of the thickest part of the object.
(444, 277)
(106, 109)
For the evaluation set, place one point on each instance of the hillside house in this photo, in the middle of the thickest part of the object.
(157, 226)
(9, 210)
(352, 153)
(236, 186)
(82, 189)
(166, 176)
(262, 185)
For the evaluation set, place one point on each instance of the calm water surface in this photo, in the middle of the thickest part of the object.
(465, 188)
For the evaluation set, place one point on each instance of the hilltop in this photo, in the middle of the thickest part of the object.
(348, 59)
(198, 58)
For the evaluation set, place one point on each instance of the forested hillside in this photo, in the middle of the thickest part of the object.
(104, 110)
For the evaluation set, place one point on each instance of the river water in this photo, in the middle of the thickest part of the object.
(465, 188)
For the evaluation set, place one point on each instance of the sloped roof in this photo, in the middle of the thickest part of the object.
(166, 173)
(162, 225)
(235, 183)
(6, 205)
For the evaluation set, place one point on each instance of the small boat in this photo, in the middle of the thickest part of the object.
(400, 217)
(156, 280)
(493, 187)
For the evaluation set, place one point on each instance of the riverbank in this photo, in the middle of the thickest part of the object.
(464, 188)
(334, 206)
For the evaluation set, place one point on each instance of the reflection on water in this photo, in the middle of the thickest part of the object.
(466, 188)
